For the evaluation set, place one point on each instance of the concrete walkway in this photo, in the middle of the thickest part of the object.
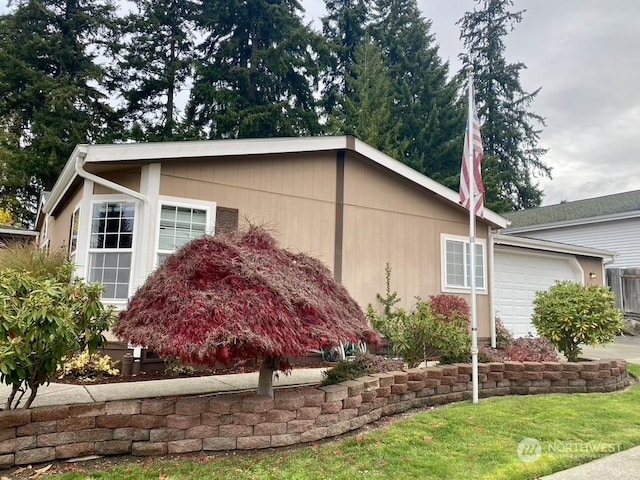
(619, 466)
(64, 394)
(626, 348)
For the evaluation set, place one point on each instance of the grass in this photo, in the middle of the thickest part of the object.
(460, 441)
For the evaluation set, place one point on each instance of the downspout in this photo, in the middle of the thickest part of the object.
(104, 182)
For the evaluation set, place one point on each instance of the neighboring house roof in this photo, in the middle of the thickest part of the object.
(13, 234)
(149, 152)
(591, 210)
(18, 232)
(556, 247)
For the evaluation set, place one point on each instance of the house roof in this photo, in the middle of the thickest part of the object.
(590, 210)
(17, 232)
(555, 247)
(148, 152)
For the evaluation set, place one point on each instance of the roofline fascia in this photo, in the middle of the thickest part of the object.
(534, 243)
(422, 180)
(187, 149)
(575, 223)
(11, 231)
(65, 179)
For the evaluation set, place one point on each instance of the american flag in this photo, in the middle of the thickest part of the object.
(466, 189)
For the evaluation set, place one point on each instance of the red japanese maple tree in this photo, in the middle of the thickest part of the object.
(239, 296)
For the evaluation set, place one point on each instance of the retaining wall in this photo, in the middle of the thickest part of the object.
(246, 421)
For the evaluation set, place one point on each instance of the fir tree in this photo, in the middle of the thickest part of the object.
(425, 101)
(344, 28)
(368, 108)
(510, 131)
(255, 73)
(156, 61)
(50, 99)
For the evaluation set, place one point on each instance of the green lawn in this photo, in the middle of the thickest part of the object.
(460, 441)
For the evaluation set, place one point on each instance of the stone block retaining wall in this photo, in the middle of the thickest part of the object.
(162, 426)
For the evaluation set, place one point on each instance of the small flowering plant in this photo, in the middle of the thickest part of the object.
(89, 367)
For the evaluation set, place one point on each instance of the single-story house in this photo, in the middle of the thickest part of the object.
(121, 209)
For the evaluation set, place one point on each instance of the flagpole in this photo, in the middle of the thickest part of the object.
(472, 242)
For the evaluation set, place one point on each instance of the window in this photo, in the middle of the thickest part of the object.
(73, 236)
(456, 264)
(111, 248)
(178, 226)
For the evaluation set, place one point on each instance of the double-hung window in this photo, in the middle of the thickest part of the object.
(179, 224)
(456, 264)
(111, 248)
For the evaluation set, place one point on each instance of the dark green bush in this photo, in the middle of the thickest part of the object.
(570, 314)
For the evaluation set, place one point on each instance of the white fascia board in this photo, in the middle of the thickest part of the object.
(65, 179)
(546, 245)
(422, 180)
(212, 148)
(577, 222)
(17, 231)
(240, 147)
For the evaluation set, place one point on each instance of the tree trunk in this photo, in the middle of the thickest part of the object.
(265, 380)
(34, 392)
(14, 390)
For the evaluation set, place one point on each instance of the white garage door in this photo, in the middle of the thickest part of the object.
(517, 279)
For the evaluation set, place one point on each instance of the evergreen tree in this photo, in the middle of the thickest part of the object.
(344, 28)
(156, 61)
(368, 108)
(255, 72)
(425, 101)
(510, 131)
(50, 99)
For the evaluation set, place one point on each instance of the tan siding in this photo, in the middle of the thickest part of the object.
(390, 220)
(60, 225)
(129, 178)
(292, 195)
(592, 265)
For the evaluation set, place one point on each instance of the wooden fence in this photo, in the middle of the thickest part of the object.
(625, 283)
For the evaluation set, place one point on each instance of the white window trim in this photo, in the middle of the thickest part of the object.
(119, 303)
(208, 207)
(443, 264)
(73, 254)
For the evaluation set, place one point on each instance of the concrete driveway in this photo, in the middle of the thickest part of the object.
(624, 348)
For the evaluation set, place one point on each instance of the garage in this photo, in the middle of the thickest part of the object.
(519, 274)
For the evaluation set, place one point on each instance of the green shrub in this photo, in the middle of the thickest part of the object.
(419, 335)
(42, 322)
(363, 364)
(570, 314)
(88, 367)
(175, 367)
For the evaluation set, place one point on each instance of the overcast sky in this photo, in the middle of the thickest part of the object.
(585, 54)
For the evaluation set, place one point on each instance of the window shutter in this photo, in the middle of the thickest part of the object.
(226, 220)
